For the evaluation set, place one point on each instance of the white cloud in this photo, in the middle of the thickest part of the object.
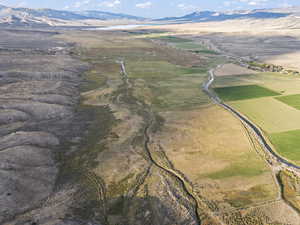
(78, 4)
(21, 4)
(254, 2)
(110, 4)
(188, 7)
(144, 5)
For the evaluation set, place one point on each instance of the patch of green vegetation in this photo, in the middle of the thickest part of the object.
(100, 120)
(206, 51)
(189, 46)
(167, 86)
(257, 64)
(291, 100)
(290, 184)
(237, 170)
(235, 93)
(119, 188)
(94, 80)
(151, 70)
(194, 70)
(287, 144)
(249, 166)
(174, 39)
(244, 198)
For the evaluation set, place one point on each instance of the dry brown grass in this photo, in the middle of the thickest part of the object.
(233, 69)
(213, 150)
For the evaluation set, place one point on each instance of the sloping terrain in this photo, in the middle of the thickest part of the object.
(39, 91)
(50, 17)
(206, 16)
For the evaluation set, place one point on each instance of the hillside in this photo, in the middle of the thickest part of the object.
(51, 17)
(206, 16)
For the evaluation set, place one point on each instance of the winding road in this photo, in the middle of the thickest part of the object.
(259, 134)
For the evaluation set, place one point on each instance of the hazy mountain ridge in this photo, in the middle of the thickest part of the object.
(206, 16)
(49, 17)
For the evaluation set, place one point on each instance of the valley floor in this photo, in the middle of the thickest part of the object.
(114, 128)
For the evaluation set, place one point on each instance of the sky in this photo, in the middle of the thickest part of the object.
(152, 8)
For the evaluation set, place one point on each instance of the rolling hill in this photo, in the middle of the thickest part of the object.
(206, 16)
(51, 17)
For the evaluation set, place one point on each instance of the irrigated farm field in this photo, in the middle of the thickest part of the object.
(234, 93)
(277, 115)
(287, 144)
(291, 100)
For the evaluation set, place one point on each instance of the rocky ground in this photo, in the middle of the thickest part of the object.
(38, 95)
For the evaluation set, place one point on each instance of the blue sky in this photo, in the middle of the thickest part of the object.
(152, 8)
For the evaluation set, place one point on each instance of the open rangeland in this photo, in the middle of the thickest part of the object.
(144, 144)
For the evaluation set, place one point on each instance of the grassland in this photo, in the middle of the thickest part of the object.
(198, 135)
(169, 86)
(287, 144)
(201, 144)
(186, 44)
(173, 39)
(199, 139)
(291, 100)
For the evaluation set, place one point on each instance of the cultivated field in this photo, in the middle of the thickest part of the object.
(234, 93)
(277, 115)
(291, 100)
(287, 144)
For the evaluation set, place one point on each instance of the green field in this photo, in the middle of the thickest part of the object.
(281, 83)
(170, 86)
(250, 167)
(287, 144)
(189, 46)
(291, 100)
(235, 93)
(173, 39)
(278, 116)
(271, 115)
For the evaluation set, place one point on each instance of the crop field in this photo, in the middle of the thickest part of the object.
(287, 144)
(278, 115)
(291, 100)
(282, 83)
(235, 93)
(268, 113)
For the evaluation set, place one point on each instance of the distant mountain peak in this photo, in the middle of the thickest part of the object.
(205, 16)
(10, 15)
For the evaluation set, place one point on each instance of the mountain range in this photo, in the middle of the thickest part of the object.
(49, 17)
(206, 16)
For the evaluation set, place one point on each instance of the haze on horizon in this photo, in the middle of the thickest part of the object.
(151, 8)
